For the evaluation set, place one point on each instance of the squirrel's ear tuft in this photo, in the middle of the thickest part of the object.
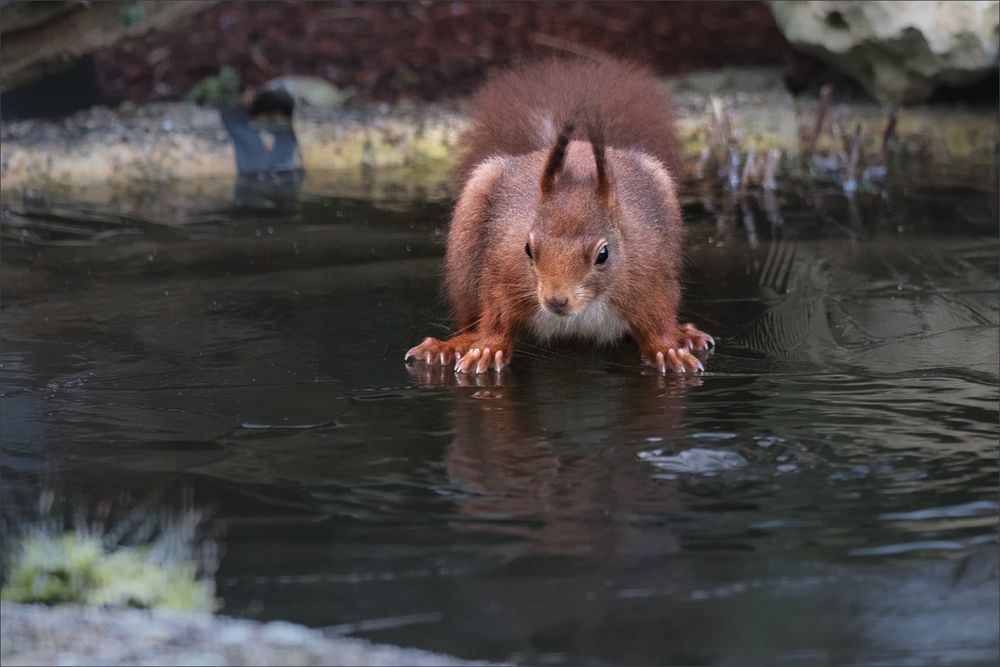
(554, 165)
(596, 136)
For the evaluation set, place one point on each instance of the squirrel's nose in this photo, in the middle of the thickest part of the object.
(557, 304)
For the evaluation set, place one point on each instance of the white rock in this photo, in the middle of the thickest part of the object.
(899, 51)
(282, 632)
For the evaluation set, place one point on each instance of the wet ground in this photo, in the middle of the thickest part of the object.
(825, 494)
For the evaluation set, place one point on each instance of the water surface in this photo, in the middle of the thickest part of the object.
(825, 494)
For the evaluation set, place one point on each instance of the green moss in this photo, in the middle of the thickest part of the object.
(76, 568)
(53, 570)
(216, 90)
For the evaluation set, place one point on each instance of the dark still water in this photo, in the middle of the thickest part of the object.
(825, 494)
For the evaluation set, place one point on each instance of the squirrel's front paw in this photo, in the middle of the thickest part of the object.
(678, 359)
(433, 351)
(482, 357)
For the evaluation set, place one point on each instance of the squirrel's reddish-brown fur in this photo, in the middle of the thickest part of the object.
(568, 223)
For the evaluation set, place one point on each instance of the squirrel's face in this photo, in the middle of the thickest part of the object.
(572, 244)
(570, 271)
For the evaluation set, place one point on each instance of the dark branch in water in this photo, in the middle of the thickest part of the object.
(851, 179)
(773, 159)
(842, 160)
(845, 142)
(706, 153)
(748, 168)
(824, 103)
(888, 139)
(732, 165)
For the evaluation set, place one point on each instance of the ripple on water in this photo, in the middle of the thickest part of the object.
(925, 545)
(696, 461)
(962, 511)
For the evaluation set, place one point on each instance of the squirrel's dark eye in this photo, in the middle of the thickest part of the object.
(527, 249)
(602, 255)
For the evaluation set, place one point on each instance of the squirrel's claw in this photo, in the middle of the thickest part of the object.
(677, 359)
(694, 338)
(480, 359)
(432, 351)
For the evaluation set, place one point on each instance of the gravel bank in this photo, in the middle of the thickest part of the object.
(142, 149)
(39, 635)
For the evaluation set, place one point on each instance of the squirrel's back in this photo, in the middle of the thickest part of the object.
(522, 110)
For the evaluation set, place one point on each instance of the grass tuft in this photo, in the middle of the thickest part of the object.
(48, 565)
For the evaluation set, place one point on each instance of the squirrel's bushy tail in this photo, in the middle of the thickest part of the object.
(523, 109)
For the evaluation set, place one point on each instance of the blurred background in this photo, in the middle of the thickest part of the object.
(61, 57)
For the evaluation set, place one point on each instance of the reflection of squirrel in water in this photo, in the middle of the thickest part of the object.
(564, 236)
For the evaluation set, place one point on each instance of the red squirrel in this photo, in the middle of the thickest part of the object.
(568, 223)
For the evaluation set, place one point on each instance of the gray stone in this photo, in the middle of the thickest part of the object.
(64, 635)
(899, 51)
(195, 659)
(282, 632)
(233, 635)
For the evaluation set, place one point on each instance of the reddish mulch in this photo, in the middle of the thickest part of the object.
(388, 51)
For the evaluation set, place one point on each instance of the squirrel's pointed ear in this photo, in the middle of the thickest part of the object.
(557, 156)
(603, 187)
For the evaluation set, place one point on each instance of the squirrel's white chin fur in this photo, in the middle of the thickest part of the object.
(595, 321)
